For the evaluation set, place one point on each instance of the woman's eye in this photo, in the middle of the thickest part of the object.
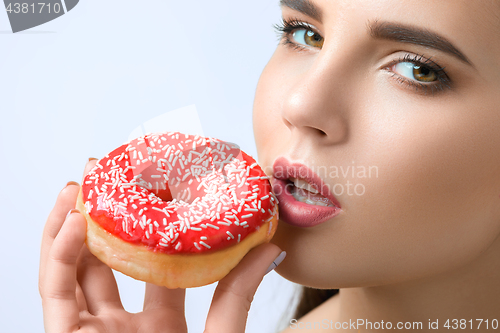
(416, 72)
(308, 37)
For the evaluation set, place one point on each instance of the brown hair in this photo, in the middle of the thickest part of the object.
(309, 298)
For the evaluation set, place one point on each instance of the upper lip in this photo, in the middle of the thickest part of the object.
(284, 169)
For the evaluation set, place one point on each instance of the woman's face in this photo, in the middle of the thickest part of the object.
(395, 105)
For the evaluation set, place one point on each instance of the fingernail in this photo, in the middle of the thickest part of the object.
(276, 262)
(72, 211)
(72, 183)
(92, 158)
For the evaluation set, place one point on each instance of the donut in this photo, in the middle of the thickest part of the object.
(176, 210)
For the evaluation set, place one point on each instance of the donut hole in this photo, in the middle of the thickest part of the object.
(157, 184)
(149, 179)
(163, 194)
(173, 189)
(184, 191)
(167, 179)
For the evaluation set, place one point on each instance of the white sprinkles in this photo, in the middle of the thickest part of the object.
(226, 196)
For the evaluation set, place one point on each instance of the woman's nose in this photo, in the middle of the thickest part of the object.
(314, 105)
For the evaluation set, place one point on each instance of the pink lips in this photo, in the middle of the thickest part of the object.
(295, 212)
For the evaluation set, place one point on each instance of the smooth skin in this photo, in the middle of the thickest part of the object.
(79, 293)
(422, 242)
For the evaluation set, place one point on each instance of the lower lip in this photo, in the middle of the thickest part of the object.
(297, 213)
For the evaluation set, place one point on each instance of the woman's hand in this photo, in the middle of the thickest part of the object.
(79, 292)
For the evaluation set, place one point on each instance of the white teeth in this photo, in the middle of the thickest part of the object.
(304, 185)
(306, 191)
(300, 198)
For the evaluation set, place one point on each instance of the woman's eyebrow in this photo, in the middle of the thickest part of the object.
(305, 7)
(385, 30)
(407, 34)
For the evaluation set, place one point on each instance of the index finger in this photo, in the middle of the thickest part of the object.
(60, 305)
(64, 203)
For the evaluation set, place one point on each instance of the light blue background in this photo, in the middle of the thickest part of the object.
(77, 86)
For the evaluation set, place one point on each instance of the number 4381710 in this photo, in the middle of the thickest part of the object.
(469, 324)
(33, 8)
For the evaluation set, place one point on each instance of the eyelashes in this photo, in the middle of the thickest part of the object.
(412, 71)
(286, 28)
(441, 80)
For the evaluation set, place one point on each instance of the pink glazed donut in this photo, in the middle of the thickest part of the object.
(176, 210)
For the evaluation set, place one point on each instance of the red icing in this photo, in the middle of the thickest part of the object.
(137, 184)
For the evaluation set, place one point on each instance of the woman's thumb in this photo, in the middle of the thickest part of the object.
(234, 294)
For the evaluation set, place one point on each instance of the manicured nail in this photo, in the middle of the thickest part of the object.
(72, 211)
(72, 183)
(92, 158)
(276, 262)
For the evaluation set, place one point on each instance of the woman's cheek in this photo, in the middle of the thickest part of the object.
(431, 183)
